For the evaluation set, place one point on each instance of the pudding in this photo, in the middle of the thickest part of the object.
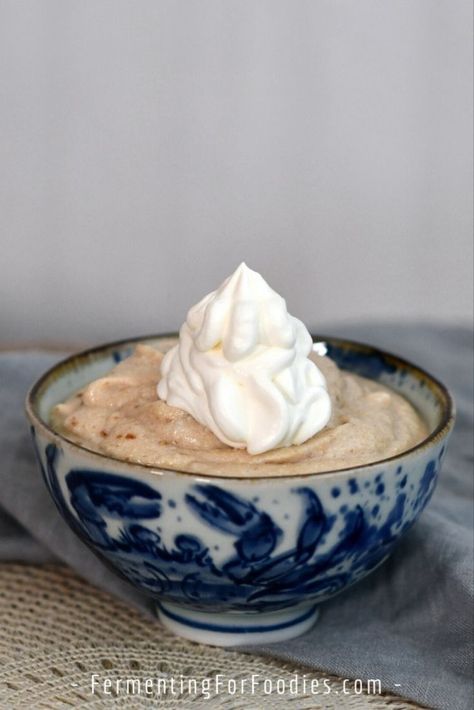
(120, 415)
(243, 392)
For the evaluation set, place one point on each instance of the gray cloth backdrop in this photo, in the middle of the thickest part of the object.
(409, 623)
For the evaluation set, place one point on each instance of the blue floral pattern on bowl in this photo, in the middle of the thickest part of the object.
(225, 556)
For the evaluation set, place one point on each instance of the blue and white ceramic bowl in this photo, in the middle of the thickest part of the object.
(240, 560)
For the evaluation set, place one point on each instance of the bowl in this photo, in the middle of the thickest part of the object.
(239, 560)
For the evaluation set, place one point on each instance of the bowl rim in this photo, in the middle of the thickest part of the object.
(441, 430)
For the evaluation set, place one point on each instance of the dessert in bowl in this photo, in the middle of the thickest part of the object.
(240, 474)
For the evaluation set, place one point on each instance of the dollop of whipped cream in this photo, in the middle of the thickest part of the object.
(241, 368)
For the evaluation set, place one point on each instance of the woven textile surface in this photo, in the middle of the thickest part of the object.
(56, 630)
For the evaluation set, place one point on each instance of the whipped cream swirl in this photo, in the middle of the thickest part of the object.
(241, 368)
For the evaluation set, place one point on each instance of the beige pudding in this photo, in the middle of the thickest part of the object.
(120, 415)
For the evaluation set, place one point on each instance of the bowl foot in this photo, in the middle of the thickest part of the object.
(236, 628)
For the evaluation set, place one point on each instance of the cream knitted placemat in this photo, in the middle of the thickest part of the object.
(56, 630)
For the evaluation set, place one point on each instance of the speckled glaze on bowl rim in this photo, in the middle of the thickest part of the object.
(437, 388)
